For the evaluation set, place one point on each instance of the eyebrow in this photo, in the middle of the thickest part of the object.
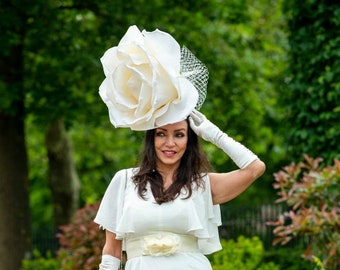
(176, 130)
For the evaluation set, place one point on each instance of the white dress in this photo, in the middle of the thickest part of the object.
(123, 212)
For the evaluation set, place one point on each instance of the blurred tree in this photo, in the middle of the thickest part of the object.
(54, 53)
(14, 210)
(313, 99)
(63, 74)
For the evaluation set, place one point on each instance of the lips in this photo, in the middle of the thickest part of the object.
(169, 153)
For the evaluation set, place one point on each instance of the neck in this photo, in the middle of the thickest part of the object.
(167, 173)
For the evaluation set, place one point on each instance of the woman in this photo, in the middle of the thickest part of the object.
(165, 213)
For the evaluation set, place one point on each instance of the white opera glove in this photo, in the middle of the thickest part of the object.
(109, 263)
(241, 155)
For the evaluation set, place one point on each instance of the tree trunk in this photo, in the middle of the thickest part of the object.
(63, 178)
(15, 231)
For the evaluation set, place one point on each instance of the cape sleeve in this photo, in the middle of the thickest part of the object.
(210, 216)
(111, 206)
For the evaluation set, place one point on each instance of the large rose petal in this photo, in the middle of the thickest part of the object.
(109, 61)
(165, 49)
(132, 36)
(180, 108)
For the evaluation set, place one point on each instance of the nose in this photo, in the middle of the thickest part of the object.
(170, 141)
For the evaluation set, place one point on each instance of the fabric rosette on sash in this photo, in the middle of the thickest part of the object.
(161, 244)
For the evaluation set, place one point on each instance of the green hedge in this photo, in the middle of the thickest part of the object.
(245, 253)
(38, 262)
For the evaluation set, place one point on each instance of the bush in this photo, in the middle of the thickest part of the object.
(38, 262)
(81, 245)
(289, 258)
(245, 253)
(311, 192)
(81, 241)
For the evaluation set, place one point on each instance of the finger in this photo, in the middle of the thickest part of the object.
(196, 120)
(192, 122)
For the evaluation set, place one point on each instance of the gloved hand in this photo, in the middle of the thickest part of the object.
(241, 155)
(109, 263)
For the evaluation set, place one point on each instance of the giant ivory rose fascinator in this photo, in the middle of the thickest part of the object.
(150, 81)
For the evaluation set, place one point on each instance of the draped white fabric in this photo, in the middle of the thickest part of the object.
(123, 212)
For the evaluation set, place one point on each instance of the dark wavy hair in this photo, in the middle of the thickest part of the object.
(193, 165)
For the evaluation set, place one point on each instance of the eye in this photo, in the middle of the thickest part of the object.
(180, 135)
(160, 134)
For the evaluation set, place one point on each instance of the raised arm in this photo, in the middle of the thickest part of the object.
(226, 186)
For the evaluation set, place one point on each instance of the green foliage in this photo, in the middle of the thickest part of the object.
(312, 193)
(98, 160)
(313, 98)
(251, 61)
(40, 194)
(289, 258)
(318, 262)
(245, 253)
(81, 241)
(12, 25)
(41, 263)
(61, 66)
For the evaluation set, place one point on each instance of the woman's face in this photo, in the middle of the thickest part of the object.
(171, 143)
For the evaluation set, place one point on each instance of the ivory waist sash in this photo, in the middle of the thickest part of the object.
(160, 244)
